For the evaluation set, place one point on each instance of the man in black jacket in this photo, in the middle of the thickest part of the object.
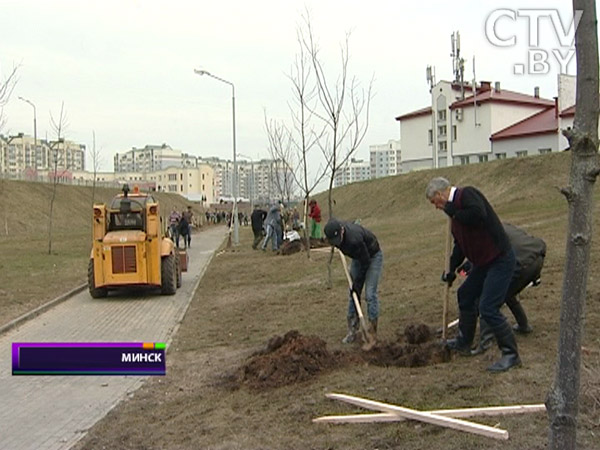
(257, 218)
(362, 246)
(479, 237)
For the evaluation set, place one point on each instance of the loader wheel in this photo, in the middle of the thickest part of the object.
(94, 291)
(168, 274)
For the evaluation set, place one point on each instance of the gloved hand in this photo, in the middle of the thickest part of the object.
(448, 277)
(450, 209)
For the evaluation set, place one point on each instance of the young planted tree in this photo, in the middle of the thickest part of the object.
(95, 159)
(6, 88)
(343, 108)
(280, 150)
(58, 126)
(562, 400)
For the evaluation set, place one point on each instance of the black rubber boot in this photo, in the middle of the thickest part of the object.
(508, 346)
(486, 338)
(522, 326)
(466, 332)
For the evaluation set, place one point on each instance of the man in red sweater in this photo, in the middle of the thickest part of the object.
(480, 237)
(315, 222)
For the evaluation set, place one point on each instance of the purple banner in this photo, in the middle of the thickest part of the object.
(94, 358)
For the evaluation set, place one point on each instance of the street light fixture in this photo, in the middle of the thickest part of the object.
(234, 187)
(34, 127)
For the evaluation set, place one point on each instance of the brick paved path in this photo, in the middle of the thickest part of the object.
(54, 412)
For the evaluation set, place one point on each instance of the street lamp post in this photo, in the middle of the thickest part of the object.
(34, 128)
(234, 187)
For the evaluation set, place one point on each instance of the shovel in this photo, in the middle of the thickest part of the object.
(367, 338)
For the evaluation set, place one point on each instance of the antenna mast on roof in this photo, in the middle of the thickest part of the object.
(430, 74)
(475, 95)
(458, 63)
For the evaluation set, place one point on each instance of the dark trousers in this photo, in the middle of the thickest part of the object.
(484, 291)
(258, 235)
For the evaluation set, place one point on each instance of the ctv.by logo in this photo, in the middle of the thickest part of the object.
(557, 46)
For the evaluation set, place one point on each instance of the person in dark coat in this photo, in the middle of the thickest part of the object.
(530, 252)
(257, 218)
(480, 237)
(362, 246)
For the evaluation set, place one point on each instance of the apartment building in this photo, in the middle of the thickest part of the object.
(21, 157)
(354, 170)
(385, 159)
(150, 158)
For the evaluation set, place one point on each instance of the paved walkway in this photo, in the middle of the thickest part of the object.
(54, 412)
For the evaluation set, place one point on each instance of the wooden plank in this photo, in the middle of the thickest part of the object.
(456, 413)
(449, 422)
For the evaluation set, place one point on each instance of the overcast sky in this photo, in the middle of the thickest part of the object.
(125, 69)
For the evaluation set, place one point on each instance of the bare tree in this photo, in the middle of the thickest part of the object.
(280, 149)
(95, 156)
(562, 400)
(58, 126)
(344, 108)
(6, 88)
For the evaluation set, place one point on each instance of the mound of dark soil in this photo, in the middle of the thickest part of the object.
(288, 359)
(418, 349)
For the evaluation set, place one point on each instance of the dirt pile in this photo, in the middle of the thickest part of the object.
(415, 347)
(288, 359)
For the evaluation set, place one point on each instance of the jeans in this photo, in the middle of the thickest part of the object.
(484, 291)
(371, 280)
(273, 235)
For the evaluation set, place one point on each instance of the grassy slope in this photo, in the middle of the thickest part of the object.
(247, 296)
(29, 276)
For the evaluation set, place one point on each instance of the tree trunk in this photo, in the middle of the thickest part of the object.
(562, 400)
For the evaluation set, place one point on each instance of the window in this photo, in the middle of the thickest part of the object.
(443, 146)
(172, 177)
(500, 155)
(544, 151)
(182, 188)
(464, 160)
(521, 153)
(202, 177)
(442, 130)
(430, 136)
(483, 158)
(442, 114)
(454, 132)
(181, 176)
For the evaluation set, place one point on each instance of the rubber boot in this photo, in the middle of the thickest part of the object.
(486, 337)
(352, 330)
(466, 332)
(522, 326)
(373, 328)
(508, 346)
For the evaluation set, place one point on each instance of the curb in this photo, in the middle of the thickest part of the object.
(41, 309)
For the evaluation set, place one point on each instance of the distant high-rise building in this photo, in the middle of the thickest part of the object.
(352, 171)
(385, 159)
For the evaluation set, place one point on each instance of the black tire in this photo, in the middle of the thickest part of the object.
(94, 291)
(168, 274)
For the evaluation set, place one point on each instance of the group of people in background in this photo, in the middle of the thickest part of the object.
(270, 225)
(180, 226)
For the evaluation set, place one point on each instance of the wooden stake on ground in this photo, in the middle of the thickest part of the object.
(456, 413)
(369, 341)
(427, 417)
(447, 288)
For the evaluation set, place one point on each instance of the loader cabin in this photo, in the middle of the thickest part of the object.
(128, 211)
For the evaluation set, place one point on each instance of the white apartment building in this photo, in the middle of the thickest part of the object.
(23, 158)
(151, 158)
(385, 159)
(352, 171)
(456, 128)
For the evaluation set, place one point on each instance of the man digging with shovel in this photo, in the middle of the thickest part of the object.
(362, 246)
(479, 237)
